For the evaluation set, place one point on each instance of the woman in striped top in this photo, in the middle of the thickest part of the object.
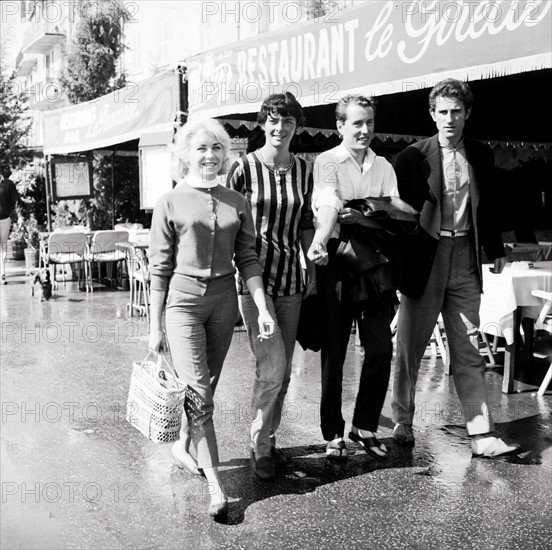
(278, 185)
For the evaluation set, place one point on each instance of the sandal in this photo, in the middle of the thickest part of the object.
(337, 450)
(187, 462)
(370, 444)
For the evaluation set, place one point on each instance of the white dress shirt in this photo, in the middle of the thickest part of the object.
(338, 179)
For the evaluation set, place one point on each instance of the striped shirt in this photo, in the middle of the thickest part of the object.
(281, 206)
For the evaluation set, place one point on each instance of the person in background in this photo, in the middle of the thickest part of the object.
(199, 230)
(278, 185)
(350, 171)
(8, 201)
(447, 178)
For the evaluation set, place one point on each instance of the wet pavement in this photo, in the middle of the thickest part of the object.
(76, 475)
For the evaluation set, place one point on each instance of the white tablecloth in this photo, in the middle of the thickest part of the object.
(504, 293)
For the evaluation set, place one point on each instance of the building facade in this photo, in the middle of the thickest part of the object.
(158, 36)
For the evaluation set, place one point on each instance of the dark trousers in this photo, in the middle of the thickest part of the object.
(336, 290)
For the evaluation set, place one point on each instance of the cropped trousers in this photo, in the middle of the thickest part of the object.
(199, 333)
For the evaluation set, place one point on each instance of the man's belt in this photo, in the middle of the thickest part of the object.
(448, 233)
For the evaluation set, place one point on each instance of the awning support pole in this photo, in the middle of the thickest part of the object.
(113, 188)
(48, 190)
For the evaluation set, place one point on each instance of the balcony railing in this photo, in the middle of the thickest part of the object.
(25, 63)
(42, 36)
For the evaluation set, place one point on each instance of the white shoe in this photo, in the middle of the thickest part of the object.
(485, 446)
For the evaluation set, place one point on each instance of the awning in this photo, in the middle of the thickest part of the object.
(379, 47)
(124, 115)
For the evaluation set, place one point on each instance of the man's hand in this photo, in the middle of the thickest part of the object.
(318, 253)
(349, 216)
(499, 264)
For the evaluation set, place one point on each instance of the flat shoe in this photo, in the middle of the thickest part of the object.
(369, 443)
(497, 448)
(336, 450)
(279, 459)
(262, 467)
(403, 435)
(187, 464)
(218, 509)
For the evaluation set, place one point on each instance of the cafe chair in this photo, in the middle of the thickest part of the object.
(103, 250)
(543, 235)
(509, 237)
(140, 237)
(544, 323)
(64, 247)
(439, 344)
(128, 226)
(133, 229)
(139, 282)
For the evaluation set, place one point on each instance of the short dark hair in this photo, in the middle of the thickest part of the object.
(451, 87)
(283, 105)
(355, 99)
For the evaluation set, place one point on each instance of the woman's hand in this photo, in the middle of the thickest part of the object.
(158, 341)
(309, 289)
(267, 326)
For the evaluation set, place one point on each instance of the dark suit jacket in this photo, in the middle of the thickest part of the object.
(420, 180)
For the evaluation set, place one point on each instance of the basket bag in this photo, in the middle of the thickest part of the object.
(155, 400)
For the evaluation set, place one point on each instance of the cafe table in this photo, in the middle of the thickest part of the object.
(507, 300)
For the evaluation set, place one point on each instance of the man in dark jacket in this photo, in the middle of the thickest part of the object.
(8, 199)
(447, 178)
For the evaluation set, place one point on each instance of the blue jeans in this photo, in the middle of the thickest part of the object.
(199, 332)
(273, 365)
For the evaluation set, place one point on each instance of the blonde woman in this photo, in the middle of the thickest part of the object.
(199, 231)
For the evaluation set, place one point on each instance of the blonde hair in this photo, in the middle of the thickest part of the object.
(183, 140)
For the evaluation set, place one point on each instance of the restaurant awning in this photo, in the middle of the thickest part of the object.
(124, 115)
(377, 48)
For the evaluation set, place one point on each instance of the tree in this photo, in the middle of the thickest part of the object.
(318, 8)
(90, 72)
(15, 122)
(91, 65)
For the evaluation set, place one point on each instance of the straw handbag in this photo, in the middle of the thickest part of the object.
(155, 400)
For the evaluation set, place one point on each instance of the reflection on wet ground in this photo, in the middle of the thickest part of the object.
(76, 475)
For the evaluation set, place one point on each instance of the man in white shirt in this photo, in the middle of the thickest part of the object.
(350, 171)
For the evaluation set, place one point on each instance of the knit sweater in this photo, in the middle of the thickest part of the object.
(196, 234)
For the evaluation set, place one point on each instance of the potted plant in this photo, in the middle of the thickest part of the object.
(16, 242)
(32, 241)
